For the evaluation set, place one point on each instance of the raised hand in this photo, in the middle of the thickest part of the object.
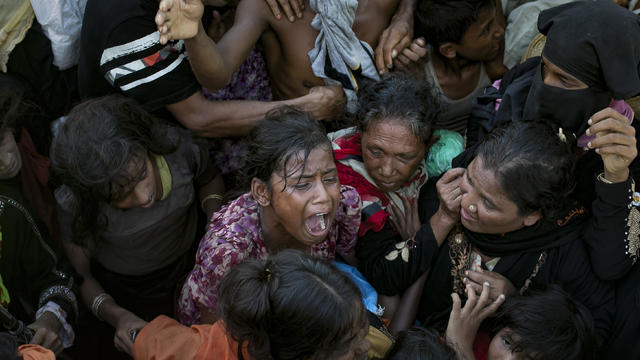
(178, 19)
(615, 141)
(393, 41)
(464, 322)
(288, 6)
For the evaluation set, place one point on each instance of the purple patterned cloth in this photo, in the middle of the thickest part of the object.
(250, 82)
(234, 235)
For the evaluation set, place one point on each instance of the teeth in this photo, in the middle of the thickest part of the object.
(322, 225)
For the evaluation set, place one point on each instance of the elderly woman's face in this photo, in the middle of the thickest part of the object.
(553, 75)
(485, 206)
(391, 153)
(10, 160)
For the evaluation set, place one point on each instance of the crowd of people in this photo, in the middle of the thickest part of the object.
(319, 179)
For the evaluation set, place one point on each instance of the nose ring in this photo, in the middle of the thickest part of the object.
(472, 208)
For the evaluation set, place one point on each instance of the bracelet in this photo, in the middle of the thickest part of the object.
(601, 178)
(97, 301)
(209, 197)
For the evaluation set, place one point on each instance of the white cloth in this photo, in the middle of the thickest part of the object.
(339, 47)
(66, 333)
(522, 27)
(61, 21)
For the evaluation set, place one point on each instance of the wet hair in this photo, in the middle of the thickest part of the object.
(100, 154)
(419, 343)
(398, 98)
(291, 306)
(279, 137)
(441, 21)
(533, 165)
(546, 324)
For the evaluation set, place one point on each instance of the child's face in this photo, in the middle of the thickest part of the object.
(306, 208)
(483, 39)
(144, 193)
(500, 347)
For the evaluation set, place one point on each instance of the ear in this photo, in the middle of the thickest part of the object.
(447, 50)
(532, 218)
(260, 192)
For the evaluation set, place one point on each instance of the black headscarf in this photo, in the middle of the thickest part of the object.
(545, 234)
(597, 42)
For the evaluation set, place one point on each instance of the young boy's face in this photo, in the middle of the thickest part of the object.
(483, 39)
(500, 347)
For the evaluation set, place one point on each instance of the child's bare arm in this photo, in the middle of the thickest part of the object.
(180, 19)
(251, 20)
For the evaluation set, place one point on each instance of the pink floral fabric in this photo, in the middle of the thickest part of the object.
(234, 235)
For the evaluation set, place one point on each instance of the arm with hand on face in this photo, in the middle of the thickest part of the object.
(104, 307)
(392, 262)
(608, 234)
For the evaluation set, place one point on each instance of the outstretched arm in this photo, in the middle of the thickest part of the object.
(181, 20)
(237, 117)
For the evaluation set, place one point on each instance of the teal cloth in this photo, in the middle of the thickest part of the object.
(450, 145)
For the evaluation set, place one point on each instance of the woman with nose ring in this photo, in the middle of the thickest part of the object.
(506, 220)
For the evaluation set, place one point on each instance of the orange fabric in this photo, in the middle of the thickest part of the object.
(166, 339)
(35, 352)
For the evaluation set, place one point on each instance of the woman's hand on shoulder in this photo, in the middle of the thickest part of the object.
(615, 141)
(325, 103)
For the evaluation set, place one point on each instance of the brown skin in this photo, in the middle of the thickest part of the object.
(458, 65)
(464, 322)
(615, 137)
(180, 19)
(286, 44)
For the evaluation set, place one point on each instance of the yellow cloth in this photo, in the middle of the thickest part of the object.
(165, 175)
(380, 343)
(16, 17)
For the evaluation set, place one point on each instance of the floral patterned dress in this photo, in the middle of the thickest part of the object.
(234, 235)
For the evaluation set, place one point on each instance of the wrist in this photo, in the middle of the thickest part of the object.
(443, 220)
(612, 178)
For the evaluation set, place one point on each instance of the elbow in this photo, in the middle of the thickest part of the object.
(198, 124)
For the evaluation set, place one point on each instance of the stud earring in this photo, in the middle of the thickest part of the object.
(472, 208)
